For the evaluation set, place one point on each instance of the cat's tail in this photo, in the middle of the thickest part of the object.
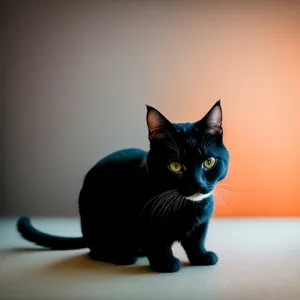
(29, 233)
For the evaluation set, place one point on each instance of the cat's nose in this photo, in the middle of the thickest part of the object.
(197, 189)
(197, 185)
(194, 189)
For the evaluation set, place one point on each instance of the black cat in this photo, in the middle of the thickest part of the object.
(135, 203)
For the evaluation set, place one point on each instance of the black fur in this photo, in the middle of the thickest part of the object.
(131, 202)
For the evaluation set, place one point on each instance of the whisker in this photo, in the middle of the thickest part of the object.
(170, 136)
(172, 147)
(225, 191)
(156, 198)
(227, 185)
(167, 207)
(177, 201)
(231, 193)
(167, 204)
(161, 204)
(170, 207)
(181, 203)
(164, 208)
(219, 199)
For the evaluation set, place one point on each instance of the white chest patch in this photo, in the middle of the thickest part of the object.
(198, 197)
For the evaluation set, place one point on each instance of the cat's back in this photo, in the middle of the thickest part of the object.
(123, 162)
(124, 157)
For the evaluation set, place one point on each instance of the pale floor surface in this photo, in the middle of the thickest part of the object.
(259, 259)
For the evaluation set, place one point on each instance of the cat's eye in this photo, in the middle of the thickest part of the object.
(177, 167)
(210, 162)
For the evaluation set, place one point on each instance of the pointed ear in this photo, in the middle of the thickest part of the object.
(157, 123)
(212, 121)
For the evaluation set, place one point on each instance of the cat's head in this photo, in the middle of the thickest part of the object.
(187, 157)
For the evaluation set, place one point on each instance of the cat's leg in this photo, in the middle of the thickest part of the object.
(99, 254)
(119, 247)
(113, 254)
(125, 244)
(108, 240)
(195, 249)
(160, 256)
(124, 253)
(118, 252)
(100, 249)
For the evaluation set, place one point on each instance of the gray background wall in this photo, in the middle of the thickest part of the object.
(78, 74)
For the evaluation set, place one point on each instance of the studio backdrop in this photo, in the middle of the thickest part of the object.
(79, 73)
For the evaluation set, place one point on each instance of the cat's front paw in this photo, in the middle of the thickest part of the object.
(168, 266)
(204, 259)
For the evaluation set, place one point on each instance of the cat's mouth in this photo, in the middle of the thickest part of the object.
(198, 196)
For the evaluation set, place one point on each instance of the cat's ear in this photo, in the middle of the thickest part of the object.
(158, 124)
(212, 121)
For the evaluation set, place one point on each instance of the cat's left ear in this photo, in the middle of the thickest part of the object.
(158, 124)
(212, 121)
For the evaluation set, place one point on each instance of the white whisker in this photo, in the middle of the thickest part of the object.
(183, 202)
(219, 199)
(156, 198)
(161, 204)
(178, 202)
(225, 192)
(164, 208)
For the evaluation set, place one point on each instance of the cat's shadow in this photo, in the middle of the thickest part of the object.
(81, 263)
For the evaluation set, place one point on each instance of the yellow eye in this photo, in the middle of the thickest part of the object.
(210, 162)
(176, 167)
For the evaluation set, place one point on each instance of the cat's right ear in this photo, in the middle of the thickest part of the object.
(158, 125)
